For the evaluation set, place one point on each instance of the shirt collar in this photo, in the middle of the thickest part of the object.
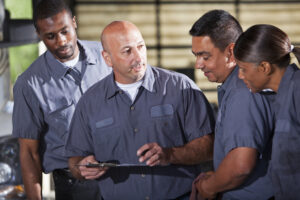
(230, 79)
(287, 77)
(148, 83)
(149, 79)
(59, 69)
(88, 55)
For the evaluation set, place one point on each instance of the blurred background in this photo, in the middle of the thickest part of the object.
(165, 25)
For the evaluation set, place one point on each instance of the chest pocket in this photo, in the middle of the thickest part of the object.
(162, 110)
(59, 119)
(282, 125)
(107, 137)
(164, 119)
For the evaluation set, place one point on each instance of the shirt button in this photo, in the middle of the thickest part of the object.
(143, 175)
(120, 92)
(136, 130)
(131, 107)
(147, 198)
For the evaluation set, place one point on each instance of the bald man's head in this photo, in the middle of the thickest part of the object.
(125, 51)
(114, 30)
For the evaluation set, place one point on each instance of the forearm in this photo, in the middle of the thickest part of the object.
(196, 151)
(219, 182)
(32, 175)
(232, 172)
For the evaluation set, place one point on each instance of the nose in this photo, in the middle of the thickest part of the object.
(61, 40)
(241, 74)
(137, 56)
(199, 63)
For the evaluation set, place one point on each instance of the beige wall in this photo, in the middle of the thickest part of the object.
(176, 20)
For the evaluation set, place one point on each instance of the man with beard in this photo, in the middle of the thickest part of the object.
(45, 96)
(156, 123)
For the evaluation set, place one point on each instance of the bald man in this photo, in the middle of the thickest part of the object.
(155, 124)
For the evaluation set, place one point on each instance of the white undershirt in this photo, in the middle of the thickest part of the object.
(130, 89)
(73, 62)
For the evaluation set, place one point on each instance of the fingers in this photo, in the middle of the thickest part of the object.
(154, 160)
(209, 173)
(93, 173)
(153, 154)
(90, 172)
(142, 151)
(146, 152)
(89, 159)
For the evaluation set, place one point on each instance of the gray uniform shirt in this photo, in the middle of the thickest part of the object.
(286, 142)
(169, 109)
(45, 96)
(245, 120)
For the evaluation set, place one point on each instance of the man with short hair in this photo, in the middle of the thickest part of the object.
(244, 122)
(45, 96)
(155, 123)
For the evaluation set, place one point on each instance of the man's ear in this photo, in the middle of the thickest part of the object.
(229, 56)
(107, 58)
(74, 22)
(265, 67)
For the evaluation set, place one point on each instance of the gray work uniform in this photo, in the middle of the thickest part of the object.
(286, 143)
(244, 120)
(45, 96)
(169, 109)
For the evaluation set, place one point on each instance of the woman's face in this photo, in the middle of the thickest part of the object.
(253, 75)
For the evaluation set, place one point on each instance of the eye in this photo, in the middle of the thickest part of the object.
(50, 36)
(126, 51)
(141, 46)
(64, 32)
(205, 57)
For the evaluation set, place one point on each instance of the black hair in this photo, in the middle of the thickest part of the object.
(49, 8)
(220, 26)
(264, 42)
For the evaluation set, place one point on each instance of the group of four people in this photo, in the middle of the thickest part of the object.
(156, 125)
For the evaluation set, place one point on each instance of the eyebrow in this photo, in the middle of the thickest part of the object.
(201, 53)
(128, 46)
(62, 29)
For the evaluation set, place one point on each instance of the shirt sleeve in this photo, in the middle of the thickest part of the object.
(27, 116)
(246, 121)
(199, 118)
(79, 141)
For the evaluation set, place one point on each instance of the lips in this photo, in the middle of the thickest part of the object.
(63, 50)
(138, 68)
(206, 73)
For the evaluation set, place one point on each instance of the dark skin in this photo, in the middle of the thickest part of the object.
(194, 152)
(59, 35)
(31, 168)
